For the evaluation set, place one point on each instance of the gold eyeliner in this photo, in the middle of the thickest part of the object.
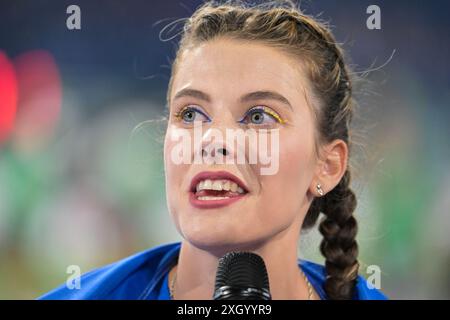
(178, 113)
(274, 114)
(266, 109)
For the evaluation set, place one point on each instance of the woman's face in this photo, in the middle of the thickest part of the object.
(225, 71)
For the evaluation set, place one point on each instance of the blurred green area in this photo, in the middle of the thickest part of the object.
(94, 193)
(91, 190)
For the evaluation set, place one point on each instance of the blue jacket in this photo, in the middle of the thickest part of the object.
(145, 276)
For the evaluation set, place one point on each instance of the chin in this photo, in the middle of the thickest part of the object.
(222, 242)
(209, 238)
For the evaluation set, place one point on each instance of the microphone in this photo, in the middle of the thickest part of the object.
(241, 276)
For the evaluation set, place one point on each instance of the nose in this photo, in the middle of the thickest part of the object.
(212, 153)
(215, 149)
(216, 152)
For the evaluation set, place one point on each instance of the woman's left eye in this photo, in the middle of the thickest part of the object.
(261, 115)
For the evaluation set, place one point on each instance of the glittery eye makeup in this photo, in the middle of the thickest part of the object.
(262, 115)
(189, 114)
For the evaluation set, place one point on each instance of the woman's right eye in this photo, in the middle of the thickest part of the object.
(191, 114)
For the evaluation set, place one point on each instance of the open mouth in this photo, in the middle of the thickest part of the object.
(216, 189)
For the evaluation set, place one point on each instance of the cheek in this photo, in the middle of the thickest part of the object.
(284, 193)
(297, 157)
(174, 175)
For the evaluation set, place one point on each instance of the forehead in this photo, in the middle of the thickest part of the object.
(234, 67)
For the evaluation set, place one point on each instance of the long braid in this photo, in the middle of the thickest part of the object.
(304, 37)
(339, 246)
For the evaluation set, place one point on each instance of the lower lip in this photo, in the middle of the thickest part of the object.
(211, 204)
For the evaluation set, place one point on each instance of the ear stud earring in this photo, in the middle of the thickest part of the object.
(319, 189)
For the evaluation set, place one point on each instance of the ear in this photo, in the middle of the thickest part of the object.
(330, 167)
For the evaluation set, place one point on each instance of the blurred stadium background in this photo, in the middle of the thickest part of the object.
(79, 186)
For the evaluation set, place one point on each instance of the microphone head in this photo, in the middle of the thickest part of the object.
(241, 276)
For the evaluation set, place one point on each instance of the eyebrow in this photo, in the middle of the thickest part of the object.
(248, 97)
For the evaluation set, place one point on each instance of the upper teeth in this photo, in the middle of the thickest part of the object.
(219, 185)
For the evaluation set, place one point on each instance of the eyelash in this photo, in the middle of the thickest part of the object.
(179, 114)
(267, 110)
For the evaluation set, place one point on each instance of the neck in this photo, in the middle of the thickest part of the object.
(196, 268)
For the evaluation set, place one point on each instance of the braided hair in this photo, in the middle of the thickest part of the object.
(282, 25)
